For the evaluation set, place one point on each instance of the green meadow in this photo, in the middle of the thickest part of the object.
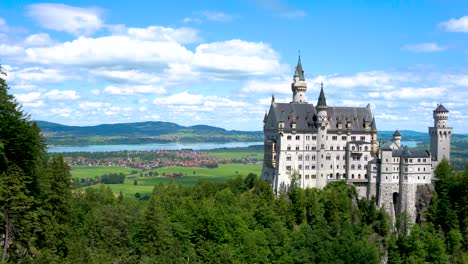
(191, 175)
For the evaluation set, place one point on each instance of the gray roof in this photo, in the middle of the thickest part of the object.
(322, 101)
(407, 153)
(299, 72)
(304, 115)
(374, 125)
(440, 108)
(397, 133)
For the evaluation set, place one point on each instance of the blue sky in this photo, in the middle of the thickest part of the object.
(219, 62)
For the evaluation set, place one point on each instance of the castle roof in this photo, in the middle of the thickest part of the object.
(407, 153)
(299, 72)
(304, 115)
(440, 108)
(396, 134)
(322, 101)
(374, 125)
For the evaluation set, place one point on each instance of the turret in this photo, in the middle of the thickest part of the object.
(322, 123)
(321, 108)
(299, 86)
(374, 136)
(440, 134)
(397, 138)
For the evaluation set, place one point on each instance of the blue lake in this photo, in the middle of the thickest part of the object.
(143, 147)
(409, 144)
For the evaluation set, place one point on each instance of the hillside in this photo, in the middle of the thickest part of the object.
(141, 133)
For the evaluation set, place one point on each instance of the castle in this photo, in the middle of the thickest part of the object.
(327, 143)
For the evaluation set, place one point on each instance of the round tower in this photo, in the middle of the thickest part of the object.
(299, 86)
(440, 135)
(322, 123)
(397, 138)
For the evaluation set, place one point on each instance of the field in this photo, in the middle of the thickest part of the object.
(145, 185)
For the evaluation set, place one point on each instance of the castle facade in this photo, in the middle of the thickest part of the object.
(322, 144)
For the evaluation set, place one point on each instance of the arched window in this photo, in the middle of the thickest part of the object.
(307, 157)
(313, 157)
(297, 147)
(338, 157)
(300, 157)
(353, 148)
(366, 148)
(328, 157)
(359, 166)
(353, 167)
(289, 147)
(300, 166)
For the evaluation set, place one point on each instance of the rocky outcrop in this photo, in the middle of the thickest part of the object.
(424, 194)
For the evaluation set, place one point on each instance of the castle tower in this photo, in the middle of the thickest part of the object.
(299, 86)
(322, 123)
(373, 136)
(440, 135)
(397, 138)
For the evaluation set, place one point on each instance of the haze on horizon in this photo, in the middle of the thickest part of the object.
(216, 63)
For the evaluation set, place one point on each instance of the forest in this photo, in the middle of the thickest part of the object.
(237, 221)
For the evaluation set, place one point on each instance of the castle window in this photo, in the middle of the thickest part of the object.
(406, 169)
(353, 148)
(365, 158)
(300, 157)
(298, 137)
(365, 175)
(313, 167)
(299, 167)
(331, 166)
(322, 146)
(353, 167)
(366, 148)
(419, 169)
(335, 138)
(337, 157)
(386, 169)
(314, 148)
(419, 160)
(352, 176)
(288, 168)
(307, 147)
(297, 147)
(313, 157)
(411, 160)
(359, 176)
(343, 137)
(353, 138)
(307, 167)
(314, 137)
(328, 157)
(337, 147)
(424, 169)
(359, 167)
(365, 167)
(337, 175)
(307, 157)
(307, 176)
(307, 137)
(288, 157)
(338, 166)
(321, 165)
(344, 166)
(363, 138)
(418, 178)
(289, 137)
(289, 147)
(424, 160)
(424, 177)
(313, 176)
(331, 147)
(344, 175)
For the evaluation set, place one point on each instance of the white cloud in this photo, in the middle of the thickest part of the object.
(134, 89)
(217, 16)
(86, 105)
(37, 75)
(128, 76)
(385, 116)
(281, 86)
(455, 25)
(410, 93)
(237, 58)
(35, 104)
(10, 50)
(380, 79)
(75, 20)
(108, 51)
(183, 98)
(281, 8)
(62, 95)
(28, 97)
(41, 39)
(182, 35)
(95, 92)
(424, 47)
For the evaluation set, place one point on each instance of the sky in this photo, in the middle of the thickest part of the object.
(219, 62)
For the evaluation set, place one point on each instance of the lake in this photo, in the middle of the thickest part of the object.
(169, 146)
(144, 147)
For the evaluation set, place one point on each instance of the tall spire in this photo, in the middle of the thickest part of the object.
(299, 72)
(322, 102)
(374, 125)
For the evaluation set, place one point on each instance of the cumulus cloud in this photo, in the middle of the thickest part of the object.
(183, 98)
(182, 35)
(455, 25)
(134, 89)
(28, 97)
(237, 58)
(41, 39)
(74, 20)
(62, 95)
(381, 79)
(135, 76)
(424, 47)
(36, 75)
(281, 86)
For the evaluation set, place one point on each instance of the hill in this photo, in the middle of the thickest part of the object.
(141, 133)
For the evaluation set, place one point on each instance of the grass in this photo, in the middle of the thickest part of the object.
(146, 184)
(236, 154)
(96, 171)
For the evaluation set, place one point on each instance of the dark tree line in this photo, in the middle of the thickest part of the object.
(113, 178)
